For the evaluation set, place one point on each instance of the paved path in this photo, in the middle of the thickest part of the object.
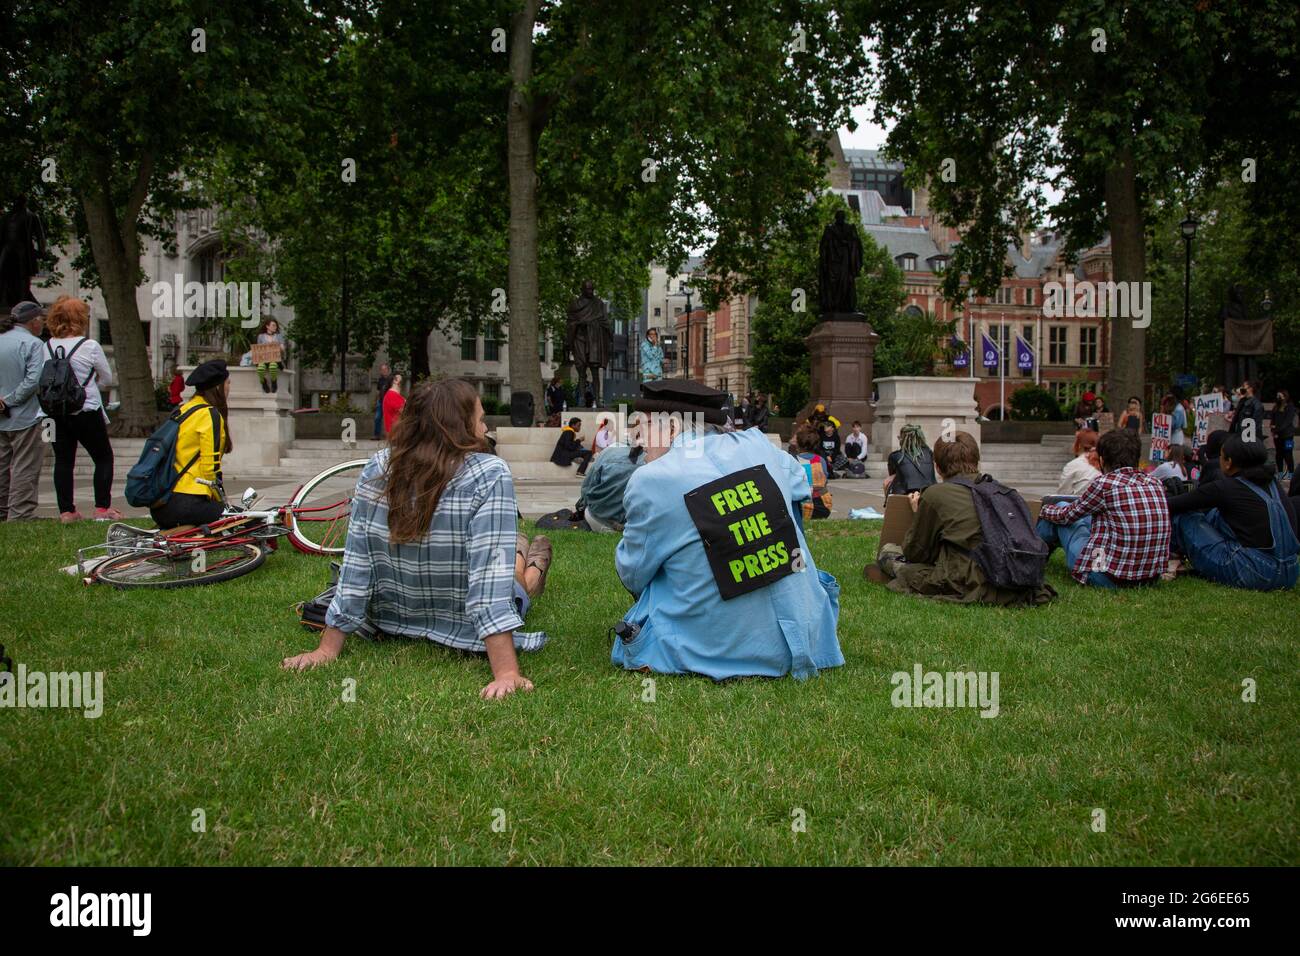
(536, 498)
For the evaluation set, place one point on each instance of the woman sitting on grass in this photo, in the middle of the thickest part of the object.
(911, 465)
(807, 439)
(430, 536)
(1083, 467)
(1240, 530)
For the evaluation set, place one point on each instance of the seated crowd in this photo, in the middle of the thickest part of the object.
(713, 550)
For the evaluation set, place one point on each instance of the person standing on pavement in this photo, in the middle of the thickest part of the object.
(69, 320)
(382, 383)
(22, 356)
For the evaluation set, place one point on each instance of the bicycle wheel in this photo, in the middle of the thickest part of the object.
(319, 510)
(162, 569)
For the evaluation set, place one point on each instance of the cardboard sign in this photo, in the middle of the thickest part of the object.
(269, 352)
(1203, 406)
(1162, 429)
(746, 528)
(1105, 422)
(898, 520)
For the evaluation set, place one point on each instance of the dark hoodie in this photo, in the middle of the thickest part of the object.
(1241, 508)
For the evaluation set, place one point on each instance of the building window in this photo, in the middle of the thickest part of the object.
(492, 344)
(1001, 336)
(1029, 297)
(469, 342)
(658, 312)
(541, 348)
(1057, 345)
(1088, 345)
(1063, 392)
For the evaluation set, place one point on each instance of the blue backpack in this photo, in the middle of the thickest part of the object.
(150, 481)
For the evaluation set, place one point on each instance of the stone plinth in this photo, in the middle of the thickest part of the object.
(841, 353)
(261, 425)
(933, 403)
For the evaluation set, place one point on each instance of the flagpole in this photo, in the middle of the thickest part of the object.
(1002, 361)
(970, 329)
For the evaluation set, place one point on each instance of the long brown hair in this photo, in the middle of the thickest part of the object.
(434, 433)
(215, 395)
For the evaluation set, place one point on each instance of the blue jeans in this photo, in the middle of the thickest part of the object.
(1215, 553)
(379, 418)
(1073, 538)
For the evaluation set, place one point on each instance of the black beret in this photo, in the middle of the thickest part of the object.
(211, 372)
(683, 396)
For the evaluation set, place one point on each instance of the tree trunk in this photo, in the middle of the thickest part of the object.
(116, 248)
(521, 278)
(417, 347)
(1127, 373)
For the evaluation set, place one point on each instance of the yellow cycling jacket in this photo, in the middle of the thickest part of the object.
(197, 435)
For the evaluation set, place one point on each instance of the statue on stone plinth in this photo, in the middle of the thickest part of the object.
(1244, 338)
(839, 261)
(588, 339)
(22, 247)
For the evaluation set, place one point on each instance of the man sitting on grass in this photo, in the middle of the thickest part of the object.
(935, 558)
(1115, 534)
(724, 583)
(430, 536)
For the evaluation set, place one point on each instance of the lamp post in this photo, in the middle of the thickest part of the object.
(1188, 229)
(684, 348)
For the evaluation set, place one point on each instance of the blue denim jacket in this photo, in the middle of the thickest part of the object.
(787, 627)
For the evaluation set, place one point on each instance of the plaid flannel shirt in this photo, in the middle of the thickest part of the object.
(456, 586)
(1130, 526)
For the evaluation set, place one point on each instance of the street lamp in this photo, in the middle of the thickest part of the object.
(684, 289)
(1188, 229)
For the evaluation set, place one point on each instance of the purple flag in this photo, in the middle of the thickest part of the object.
(1024, 356)
(991, 354)
(961, 357)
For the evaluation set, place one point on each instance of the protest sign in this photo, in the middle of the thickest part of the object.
(746, 528)
(1162, 429)
(1203, 406)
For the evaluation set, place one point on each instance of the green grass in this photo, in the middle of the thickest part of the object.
(1129, 702)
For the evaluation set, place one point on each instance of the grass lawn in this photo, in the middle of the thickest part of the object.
(1128, 702)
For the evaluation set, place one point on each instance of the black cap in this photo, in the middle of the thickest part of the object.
(211, 372)
(684, 397)
(24, 312)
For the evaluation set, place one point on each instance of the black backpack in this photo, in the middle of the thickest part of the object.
(58, 391)
(1011, 554)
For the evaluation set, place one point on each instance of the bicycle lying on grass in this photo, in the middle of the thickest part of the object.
(315, 521)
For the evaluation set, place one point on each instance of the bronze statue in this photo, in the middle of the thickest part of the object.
(588, 339)
(1244, 338)
(22, 246)
(839, 261)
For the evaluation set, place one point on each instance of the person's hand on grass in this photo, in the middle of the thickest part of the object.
(331, 643)
(304, 662)
(505, 685)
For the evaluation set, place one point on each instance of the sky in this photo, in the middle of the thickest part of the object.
(867, 136)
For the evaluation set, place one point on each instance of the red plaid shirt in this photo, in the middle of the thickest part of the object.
(1130, 526)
